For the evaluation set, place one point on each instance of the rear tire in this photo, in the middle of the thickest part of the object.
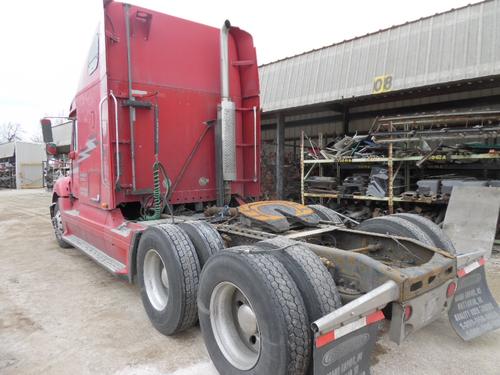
(395, 226)
(168, 275)
(437, 235)
(245, 282)
(327, 214)
(57, 225)
(206, 240)
(315, 283)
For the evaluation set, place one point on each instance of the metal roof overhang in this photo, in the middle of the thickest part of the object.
(447, 52)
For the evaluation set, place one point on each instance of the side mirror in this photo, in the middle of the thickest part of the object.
(51, 148)
(47, 130)
(72, 155)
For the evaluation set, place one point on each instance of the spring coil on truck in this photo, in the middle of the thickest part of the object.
(157, 166)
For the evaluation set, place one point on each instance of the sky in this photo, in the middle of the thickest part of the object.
(43, 44)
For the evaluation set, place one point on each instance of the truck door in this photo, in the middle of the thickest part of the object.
(92, 159)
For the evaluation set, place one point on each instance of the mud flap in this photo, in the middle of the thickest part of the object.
(347, 350)
(474, 310)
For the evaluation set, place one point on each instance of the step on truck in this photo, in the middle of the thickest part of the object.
(163, 189)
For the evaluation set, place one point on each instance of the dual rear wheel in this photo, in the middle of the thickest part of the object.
(169, 262)
(168, 276)
(255, 304)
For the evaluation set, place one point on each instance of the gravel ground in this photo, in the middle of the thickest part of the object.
(60, 313)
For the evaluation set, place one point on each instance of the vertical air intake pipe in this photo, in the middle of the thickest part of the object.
(224, 60)
(225, 134)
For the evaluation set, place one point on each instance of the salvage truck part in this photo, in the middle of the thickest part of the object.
(277, 287)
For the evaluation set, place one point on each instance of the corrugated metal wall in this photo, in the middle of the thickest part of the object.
(29, 169)
(457, 45)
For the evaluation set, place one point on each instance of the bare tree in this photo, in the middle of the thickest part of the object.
(36, 138)
(10, 132)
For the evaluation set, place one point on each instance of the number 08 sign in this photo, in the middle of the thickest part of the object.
(382, 84)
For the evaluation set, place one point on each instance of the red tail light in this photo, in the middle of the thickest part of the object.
(452, 288)
(408, 312)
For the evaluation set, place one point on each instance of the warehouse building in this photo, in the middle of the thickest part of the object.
(448, 62)
(21, 165)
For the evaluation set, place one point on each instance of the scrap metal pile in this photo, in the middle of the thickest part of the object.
(53, 169)
(416, 159)
(291, 176)
(425, 139)
(7, 175)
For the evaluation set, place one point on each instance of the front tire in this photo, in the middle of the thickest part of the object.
(168, 275)
(57, 225)
(252, 315)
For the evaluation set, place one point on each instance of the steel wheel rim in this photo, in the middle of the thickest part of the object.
(156, 280)
(58, 225)
(235, 326)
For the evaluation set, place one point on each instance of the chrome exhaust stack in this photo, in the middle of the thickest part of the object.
(225, 135)
(224, 60)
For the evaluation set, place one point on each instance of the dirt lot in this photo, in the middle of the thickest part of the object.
(60, 313)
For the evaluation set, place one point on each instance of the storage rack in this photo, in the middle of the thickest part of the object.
(8, 174)
(365, 162)
(51, 171)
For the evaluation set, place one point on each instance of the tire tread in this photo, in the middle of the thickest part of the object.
(314, 271)
(403, 226)
(208, 235)
(288, 297)
(62, 244)
(179, 241)
(440, 239)
(327, 214)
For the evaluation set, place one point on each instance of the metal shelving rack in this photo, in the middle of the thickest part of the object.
(52, 172)
(389, 160)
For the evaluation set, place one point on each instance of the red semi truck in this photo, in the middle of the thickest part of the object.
(166, 125)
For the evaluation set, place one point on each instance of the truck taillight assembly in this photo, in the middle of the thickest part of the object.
(408, 312)
(452, 288)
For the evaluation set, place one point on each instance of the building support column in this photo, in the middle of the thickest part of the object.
(345, 120)
(280, 154)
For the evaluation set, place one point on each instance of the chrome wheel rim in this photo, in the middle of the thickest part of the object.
(156, 280)
(235, 326)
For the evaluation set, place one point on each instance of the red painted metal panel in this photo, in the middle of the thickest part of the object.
(175, 64)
